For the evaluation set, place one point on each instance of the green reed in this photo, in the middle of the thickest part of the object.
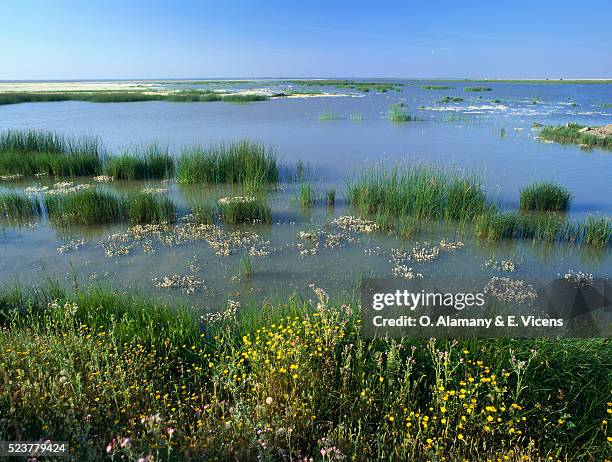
(149, 208)
(147, 162)
(249, 209)
(328, 115)
(86, 207)
(477, 89)
(570, 134)
(18, 206)
(545, 196)
(436, 87)
(399, 115)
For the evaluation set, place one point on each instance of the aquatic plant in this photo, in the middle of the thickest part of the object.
(330, 197)
(327, 115)
(243, 98)
(86, 207)
(204, 213)
(238, 162)
(450, 99)
(306, 195)
(399, 115)
(245, 267)
(146, 162)
(421, 191)
(477, 89)
(17, 206)
(545, 196)
(286, 364)
(244, 209)
(436, 87)
(145, 207)
(597, 231)
(30, 152)
(408, 226)
(575, 134)
(356, 116)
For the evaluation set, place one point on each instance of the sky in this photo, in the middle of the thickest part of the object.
(139, 39)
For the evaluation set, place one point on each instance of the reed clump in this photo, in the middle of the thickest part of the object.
(572, 134)
(399, 115)
(477, 89)
(435, 87)
(146, 207)
(30, 152)
(545, 196)
(16, 206)
(422, 191)
(244, 209)
(239, 162)
(147, 162)
(85, 207)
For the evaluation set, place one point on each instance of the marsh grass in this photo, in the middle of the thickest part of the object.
(239, 162)
(306, 195)
(147, 162)
(399, 115)
(356, 117)
(328, 115)
(436, 87)
(597, 231)
(243, 98)
(16, 206)
(149, 208)
(330, 197)
(570, 134)
(422, 191)
(248, 209)
(86, 207)
(450, 99)
(409, 226)
(477, 89)
(245, 267)
(304, 360)
(545, 196)
(28, 152)
(204, 213)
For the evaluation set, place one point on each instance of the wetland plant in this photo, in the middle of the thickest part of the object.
(576, 134)
(244, 209)
(330, 197)
(306, 195)
(204, 213)
(86, 207)
(18, 206)
(409, 226)
(597, 231)
(30, 152)
(477, 89)
(545, 197)
(356, 117)
(239, 162)
(399, 115)
(436, 87)
(450, 99)
(146, 207)
(147, 162)
(245, 267)
(328, 115)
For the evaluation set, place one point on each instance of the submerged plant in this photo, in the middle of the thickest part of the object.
(545, 196)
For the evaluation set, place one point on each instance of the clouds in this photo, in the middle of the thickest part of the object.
(440, 50)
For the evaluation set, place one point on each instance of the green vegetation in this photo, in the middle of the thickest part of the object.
(151, 382)
(545, 196)
(244, 209)
(85, 207)
(597, 231)
(436, 87)
(477, 89)
(30, 152)
(421, 191)
(239, 162)
(204, 213)
(450, 99)
(409, 226)
(147, 162)
(327, 115)
(16, 206)
(182, 96)
(364, 87)
(356, 117)
(306, 195)
(570, 134)
(92, 206)
(245, 267)
(399, 115)
(330, 197)
(149, 208)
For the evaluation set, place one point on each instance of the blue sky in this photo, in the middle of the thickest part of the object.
(61, 39)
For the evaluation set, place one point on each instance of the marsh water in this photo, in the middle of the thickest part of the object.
(489, 133)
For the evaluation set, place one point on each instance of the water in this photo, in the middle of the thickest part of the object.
(493, 139)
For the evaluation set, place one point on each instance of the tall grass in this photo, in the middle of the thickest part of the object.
(86, 207)
(399, 115)
(328, 115)
(570, 134)
(18, 206)
(306, 195)
(545, 196)
(147, 162)
(239, 162)
(477, 89)
(149, 208)
(435, 87)
(248, 209)
(421, 191)
(597, 231)
(330, 197)
(157, 374)
(28, 152)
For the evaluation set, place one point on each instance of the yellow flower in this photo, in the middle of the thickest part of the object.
(460, 436)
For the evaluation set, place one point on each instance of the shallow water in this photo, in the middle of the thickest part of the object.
(467, 135)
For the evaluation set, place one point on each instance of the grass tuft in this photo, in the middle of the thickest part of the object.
(545, 197)
(244, 209)
(147, 162)
(86, 207)
(571, 134)
(149, 208)
(399, 115)
(18, 206)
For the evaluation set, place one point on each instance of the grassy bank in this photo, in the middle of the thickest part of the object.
(30, 152)
(183, 96)
(245, 162)
(570, 134)
(119, 375)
